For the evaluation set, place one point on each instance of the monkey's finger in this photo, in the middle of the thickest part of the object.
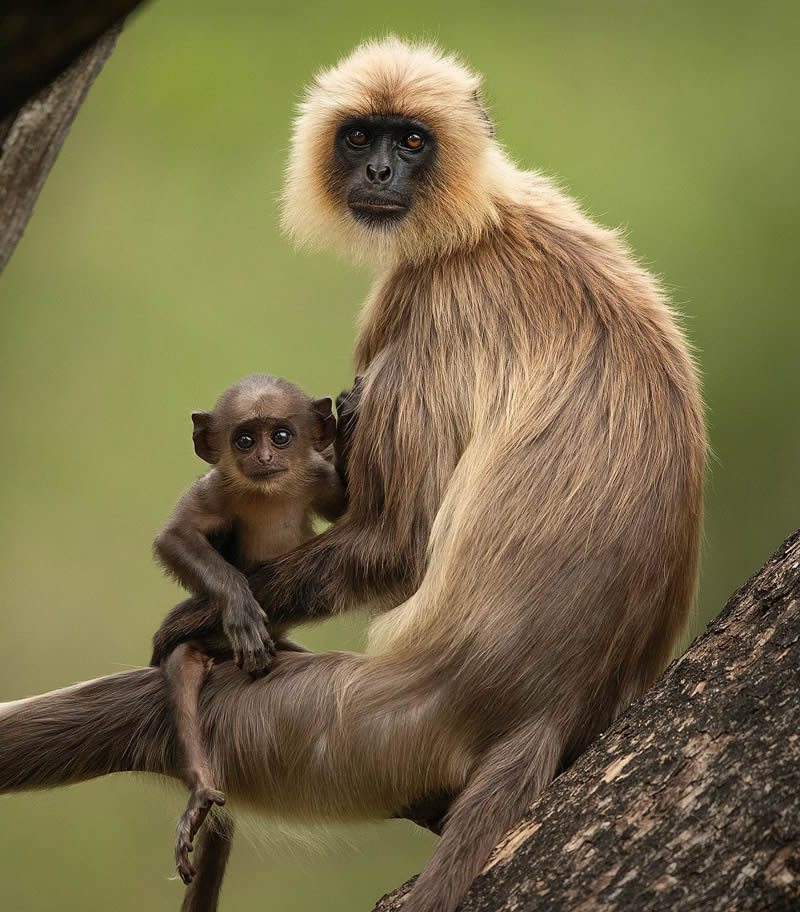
(256, 659)
(242, 656)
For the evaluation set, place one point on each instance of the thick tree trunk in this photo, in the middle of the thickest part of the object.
(691, 800)
(31, 139)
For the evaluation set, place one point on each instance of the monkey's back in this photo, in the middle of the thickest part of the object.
(564, 502)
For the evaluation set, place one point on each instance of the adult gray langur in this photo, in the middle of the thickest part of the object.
(525, 500)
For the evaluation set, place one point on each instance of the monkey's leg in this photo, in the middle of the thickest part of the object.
(213, 850)
(185, 671)
(331, 736)
(194, 618)
(287, 645)
(503, 785)
(327, 735)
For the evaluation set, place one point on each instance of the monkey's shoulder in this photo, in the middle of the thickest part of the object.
(207, 496)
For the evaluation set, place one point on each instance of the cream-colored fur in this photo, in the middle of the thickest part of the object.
(525, 503)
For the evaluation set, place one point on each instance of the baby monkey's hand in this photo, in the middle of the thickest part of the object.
(245, 624)
(346, 411)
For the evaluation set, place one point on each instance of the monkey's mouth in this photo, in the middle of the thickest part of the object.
(377, 210)
(267, 473)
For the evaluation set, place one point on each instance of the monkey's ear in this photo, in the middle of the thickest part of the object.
(476, 97)
(202, 438)
(326, 423)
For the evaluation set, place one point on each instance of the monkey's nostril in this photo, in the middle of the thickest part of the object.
(384, 174)
(371, 173)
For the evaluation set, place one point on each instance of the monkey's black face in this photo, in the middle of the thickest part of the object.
(379, 164)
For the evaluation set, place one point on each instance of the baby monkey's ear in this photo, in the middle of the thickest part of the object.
(326, 423)
(202, 437)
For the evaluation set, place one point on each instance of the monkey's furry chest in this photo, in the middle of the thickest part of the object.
(252, 540)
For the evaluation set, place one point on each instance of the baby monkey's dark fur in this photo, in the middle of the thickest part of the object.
(270, 448)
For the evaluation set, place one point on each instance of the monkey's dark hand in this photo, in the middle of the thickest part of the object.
(346, 420)
(245, 624)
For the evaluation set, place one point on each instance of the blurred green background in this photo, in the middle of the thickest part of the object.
(153, 274)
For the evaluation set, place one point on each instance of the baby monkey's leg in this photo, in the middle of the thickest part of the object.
(185, 670)
(213, 849)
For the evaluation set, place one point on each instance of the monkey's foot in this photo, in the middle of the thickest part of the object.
(200, 803)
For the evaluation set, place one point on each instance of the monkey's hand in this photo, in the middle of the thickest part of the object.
(346, 419)
(245, 624)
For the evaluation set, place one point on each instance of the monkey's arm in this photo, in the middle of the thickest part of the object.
(184, 549)
(346, 565)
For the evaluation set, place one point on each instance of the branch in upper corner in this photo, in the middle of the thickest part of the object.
(31, 139)
(691, 800)
(40, 38)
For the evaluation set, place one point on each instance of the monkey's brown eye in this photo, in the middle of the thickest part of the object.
(245, 442)
(357, 138)
(414, 141)
(281, 437)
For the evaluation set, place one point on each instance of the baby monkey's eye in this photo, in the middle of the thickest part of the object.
(245, 442)
(413, 141)
(281, 437)
(357, 138)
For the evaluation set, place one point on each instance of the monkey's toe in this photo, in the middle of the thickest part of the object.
(200, 803)
(186, 869)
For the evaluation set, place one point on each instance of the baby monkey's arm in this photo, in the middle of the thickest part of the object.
(184, 548)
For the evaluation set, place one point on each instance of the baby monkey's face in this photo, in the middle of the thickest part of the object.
(264, 433)
(269, 437)
(265, 448)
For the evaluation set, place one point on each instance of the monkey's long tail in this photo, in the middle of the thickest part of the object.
(118, 722)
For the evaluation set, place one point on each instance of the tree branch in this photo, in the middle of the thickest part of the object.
(39, 38)
(31, 139)
(691, 800)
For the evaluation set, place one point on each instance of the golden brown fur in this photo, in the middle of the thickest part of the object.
(525, 500)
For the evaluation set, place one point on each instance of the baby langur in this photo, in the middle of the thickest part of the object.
(270, 448)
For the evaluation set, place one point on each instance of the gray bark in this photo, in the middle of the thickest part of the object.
(691, 800)
(31, 139)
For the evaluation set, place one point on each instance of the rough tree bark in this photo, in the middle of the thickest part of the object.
(691, 800)
(31, 139)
